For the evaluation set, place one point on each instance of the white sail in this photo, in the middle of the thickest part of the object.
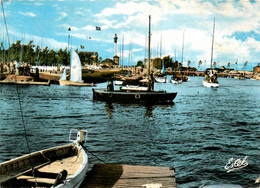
(75, 67)
(63, 76)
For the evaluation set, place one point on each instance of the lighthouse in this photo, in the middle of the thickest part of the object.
(116, 58)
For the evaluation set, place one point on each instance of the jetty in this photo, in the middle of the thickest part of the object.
(118, 175)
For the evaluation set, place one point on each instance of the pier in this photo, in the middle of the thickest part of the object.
(117, 175)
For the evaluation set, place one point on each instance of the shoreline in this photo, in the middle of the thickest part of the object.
(102, 75)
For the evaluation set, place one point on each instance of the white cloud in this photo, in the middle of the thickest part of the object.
(254, 44)
(31, 14)
(62, 16)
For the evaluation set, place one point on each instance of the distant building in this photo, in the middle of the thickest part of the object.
(116, 59)
(108, 63)
(257, 68)
(90, 54)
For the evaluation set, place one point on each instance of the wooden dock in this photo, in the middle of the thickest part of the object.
(116, 175)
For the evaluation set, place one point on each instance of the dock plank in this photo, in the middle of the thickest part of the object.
(116, 175)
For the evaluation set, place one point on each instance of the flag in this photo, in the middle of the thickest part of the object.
(98, 28)
(82, 47)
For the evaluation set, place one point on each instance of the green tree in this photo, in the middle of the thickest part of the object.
(51, 57)
(140, 63)
(167, 61)
(175, 65)
(28, 53)
(157, 63)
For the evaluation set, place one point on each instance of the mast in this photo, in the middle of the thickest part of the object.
(123, 52)
(149, 44)
(182, 48)
(212, 44)
(161, 47)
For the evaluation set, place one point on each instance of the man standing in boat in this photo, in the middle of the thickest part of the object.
(151, 82)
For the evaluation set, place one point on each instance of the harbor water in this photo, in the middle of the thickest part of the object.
(197, 135)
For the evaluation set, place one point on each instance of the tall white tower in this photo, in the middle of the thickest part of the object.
(115, 41)
(116, 58)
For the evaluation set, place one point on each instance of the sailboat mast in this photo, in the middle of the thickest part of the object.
(122, 52)
(182, 47)
(161, 47)
(149, 44)
(212, 44)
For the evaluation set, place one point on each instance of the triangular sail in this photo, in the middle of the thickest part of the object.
(75, 67)
(163, 68)
(63, 76)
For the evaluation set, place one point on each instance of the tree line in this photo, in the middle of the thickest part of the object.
(166, 61)
(34, 55)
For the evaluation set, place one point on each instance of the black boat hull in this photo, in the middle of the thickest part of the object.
(133, 97)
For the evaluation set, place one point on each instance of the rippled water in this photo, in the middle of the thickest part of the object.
(197, 134)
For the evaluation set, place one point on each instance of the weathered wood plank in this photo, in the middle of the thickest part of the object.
(116, 175)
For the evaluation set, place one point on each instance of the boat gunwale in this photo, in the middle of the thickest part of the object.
(9, 173)
(100, 90)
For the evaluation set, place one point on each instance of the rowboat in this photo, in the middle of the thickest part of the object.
(61, 166)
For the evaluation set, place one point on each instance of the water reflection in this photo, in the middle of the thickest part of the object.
(109, 108)
(149, 108)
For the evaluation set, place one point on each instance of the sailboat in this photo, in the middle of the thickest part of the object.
(75, 72)
(211, 76)
(162, 78)
(61, 166)
(136, 94)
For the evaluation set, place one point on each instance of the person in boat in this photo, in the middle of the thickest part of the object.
(207, 76)
(1, 67)
(110, 86)
(173, 76)
(151, 84)
(37, 73)
(215, 78)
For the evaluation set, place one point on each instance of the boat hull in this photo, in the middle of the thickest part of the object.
(22, 80)
(134, 97)
(176, 81)
(25, 83)
(210, 84)
(72, 158)
(161, 79)
(70, 83)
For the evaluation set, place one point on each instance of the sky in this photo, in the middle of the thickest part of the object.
(182, 29)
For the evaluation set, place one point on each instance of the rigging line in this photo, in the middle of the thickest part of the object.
(25, 133)
(5, 23)
(19, 99)
(21, 111)
(93, 154)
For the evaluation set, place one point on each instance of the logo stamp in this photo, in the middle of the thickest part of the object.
(234, 165)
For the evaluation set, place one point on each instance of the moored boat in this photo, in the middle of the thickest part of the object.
(70, 83)
(210, 84)
(211, 80)
(211, 77)
(177, 81)
(61, 166)
(161, 79)
(133, 96)
(75, 72)
(118, 82)
(136, 93)
(22, 80)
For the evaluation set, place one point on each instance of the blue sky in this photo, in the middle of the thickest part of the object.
(237, 29)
